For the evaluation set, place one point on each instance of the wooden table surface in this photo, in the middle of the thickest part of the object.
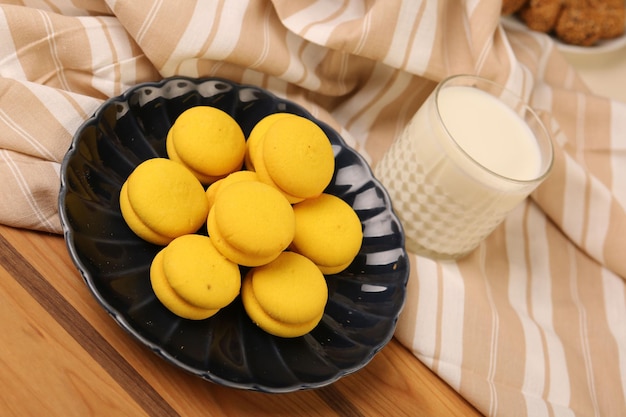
(62, 355)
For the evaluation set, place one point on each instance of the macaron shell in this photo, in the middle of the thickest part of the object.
(290, 289)
(200, 274)
(135, 224)
(168, 297)
(298, 157)
(266, 322)
(167, 197)
(209, 140)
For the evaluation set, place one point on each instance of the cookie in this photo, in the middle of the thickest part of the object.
(208, 141)
(328, 231)
(296, 157)
(540, 15)
(199, 274)
(163, 197)
(169, 298)
(286, 297)
(251, 223)
(576, 27)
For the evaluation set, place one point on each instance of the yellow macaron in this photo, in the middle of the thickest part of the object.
(286, 297)
(208, 141)
(328, 231)
(169, 298)
(251, 223)
(200, 274)
(298, 157)
(162, 200)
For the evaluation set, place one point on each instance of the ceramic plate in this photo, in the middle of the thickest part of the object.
(228, 349)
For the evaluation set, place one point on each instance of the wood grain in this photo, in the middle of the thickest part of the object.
(62, 355)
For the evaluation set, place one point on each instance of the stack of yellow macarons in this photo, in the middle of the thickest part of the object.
(192, 279)
(272, 218)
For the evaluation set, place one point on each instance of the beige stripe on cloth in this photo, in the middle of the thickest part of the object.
(532, 322)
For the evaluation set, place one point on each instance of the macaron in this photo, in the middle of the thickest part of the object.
(328, 231)
(251, 223)
(169, 298)
(136, 224)
(208, 141)
(286, 297)
(161, 200)
(296, 157)
(200, 274)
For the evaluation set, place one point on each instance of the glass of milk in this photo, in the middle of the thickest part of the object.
(471, 154)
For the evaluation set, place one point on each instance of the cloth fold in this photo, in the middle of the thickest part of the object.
(532, 322)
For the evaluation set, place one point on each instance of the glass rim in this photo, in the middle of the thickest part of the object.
(526, 107)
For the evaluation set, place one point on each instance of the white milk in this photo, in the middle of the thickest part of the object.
(449, 202)
(490, 132)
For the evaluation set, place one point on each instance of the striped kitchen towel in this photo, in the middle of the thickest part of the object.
(530, 324)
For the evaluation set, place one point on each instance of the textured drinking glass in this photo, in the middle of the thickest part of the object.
(471, 154)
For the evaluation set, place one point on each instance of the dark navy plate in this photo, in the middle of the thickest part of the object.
(228, 349)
